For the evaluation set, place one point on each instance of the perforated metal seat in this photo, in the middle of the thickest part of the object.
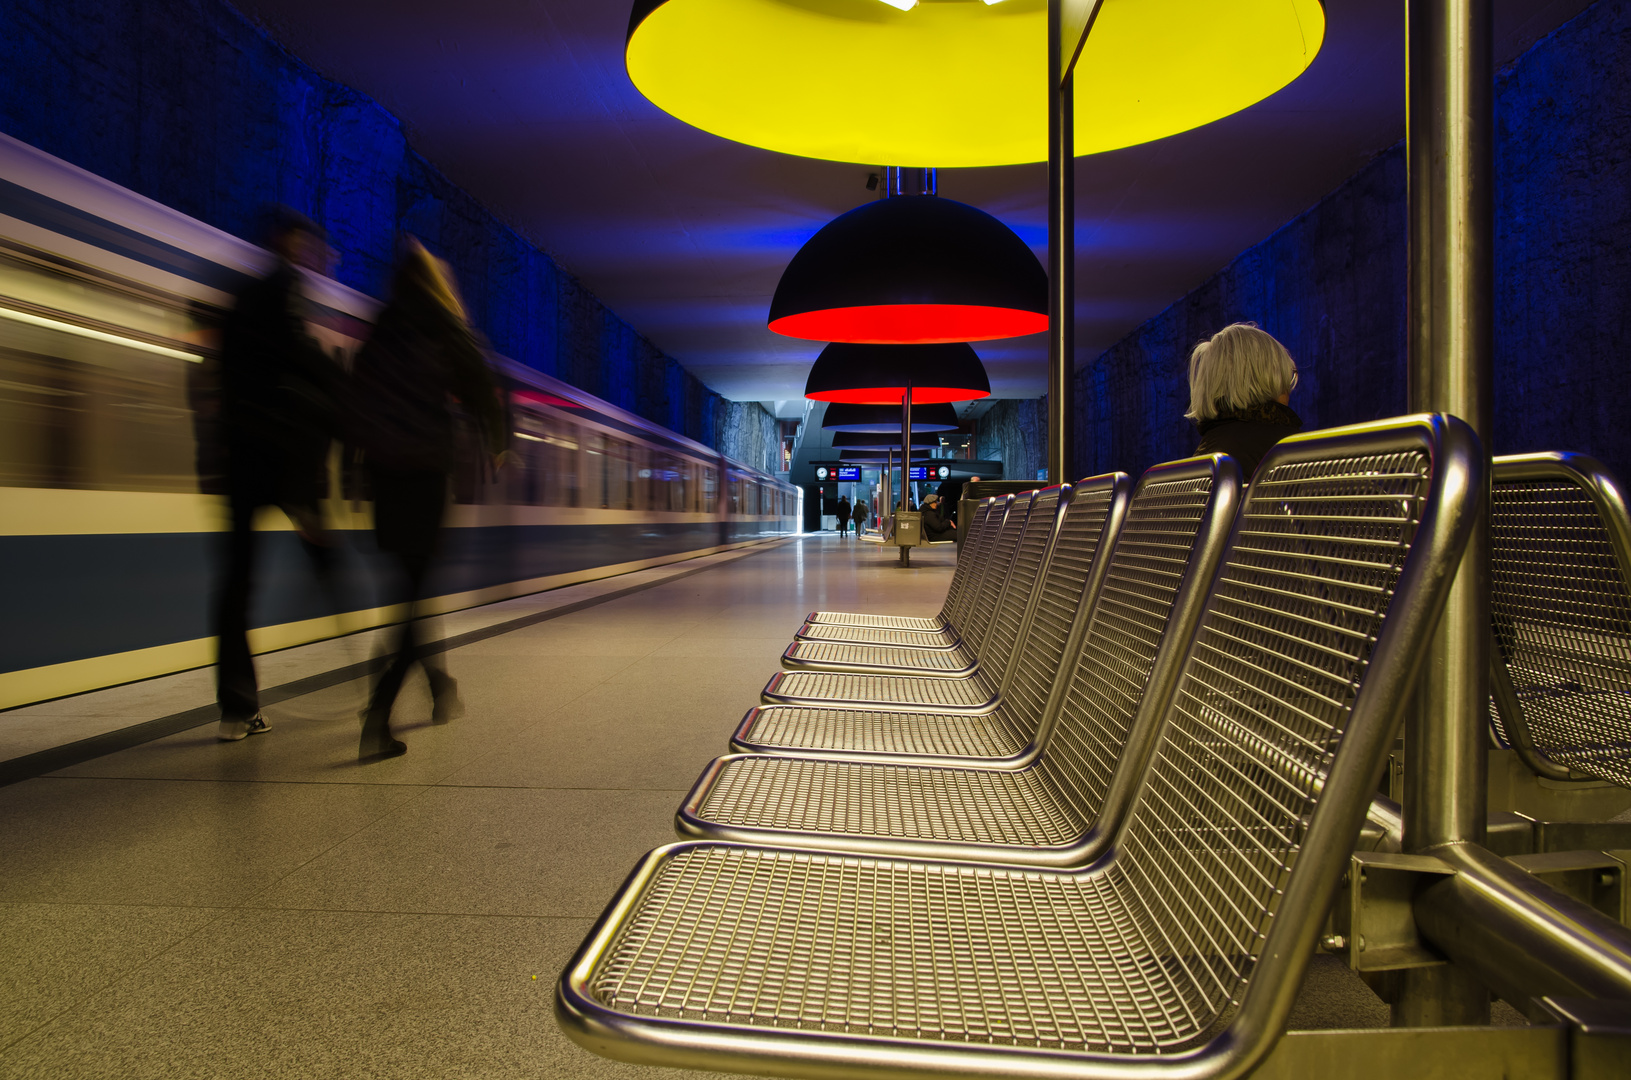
(1090, 519)
(941, 630)
(962, 660)
(1163, 560)
(971, 615)
(995, 624)
(803, 962)
(1560, 554)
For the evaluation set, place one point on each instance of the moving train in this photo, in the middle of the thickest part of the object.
(109, 309)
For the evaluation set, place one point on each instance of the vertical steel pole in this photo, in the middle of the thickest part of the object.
(905, 463)
(1061, 254)
(1449, 147)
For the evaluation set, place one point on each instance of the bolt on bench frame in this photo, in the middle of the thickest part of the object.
(806, 963)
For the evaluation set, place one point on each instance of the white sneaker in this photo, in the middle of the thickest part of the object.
(233, 730)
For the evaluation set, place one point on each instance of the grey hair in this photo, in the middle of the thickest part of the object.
(1237, 368)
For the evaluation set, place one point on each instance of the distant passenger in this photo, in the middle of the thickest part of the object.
(1240, 383)
(422, 353)
(278, 415)
(843, 515)
(859, 516)
(937, 525)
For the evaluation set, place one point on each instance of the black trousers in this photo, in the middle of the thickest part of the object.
(409, 506)
(255, 479)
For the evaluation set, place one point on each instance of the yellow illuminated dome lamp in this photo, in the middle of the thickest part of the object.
(953, 83)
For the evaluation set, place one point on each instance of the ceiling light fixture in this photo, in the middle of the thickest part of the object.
(882, 374)
(912, 270)
(795, 76)
(885, 419)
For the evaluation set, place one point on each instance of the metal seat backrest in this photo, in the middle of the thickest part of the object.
(1288, 701)
(1088, 523)
(1013, 510)
(1030, 558)
(971, 565)
(1171, 542)
(1560, 551)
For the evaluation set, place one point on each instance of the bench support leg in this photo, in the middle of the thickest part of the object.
(1449, 139)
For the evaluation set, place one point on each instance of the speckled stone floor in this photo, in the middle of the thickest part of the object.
(270, 908)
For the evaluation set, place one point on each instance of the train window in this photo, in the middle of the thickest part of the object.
(98, 384)
(669, 481)
(710, 490)
(561, 462)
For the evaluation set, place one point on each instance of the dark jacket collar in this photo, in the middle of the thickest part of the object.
(1270, 412)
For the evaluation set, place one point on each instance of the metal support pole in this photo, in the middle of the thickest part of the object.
(1061, 254)
(905, 463)
(1449, 138)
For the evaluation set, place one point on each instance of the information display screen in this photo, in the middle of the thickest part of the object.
(925, 472)
(849, 473)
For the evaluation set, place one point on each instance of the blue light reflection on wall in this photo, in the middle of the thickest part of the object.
(1331, 283)
(190, 105)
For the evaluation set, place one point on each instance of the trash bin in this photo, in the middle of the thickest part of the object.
(908, 529)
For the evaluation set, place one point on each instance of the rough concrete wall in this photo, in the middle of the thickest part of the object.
(189, 104)
(1015, 432)
(1331, 283)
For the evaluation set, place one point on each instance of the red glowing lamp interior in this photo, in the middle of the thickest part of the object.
(891, 395)
(910, 324)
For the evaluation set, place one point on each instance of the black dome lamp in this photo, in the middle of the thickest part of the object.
(885, 374)
(858, 440)
(842, 416)
(912, 269)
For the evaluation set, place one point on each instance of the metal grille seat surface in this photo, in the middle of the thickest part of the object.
(972, 565)
(1559, 557)
(1191, 937)
(993, 628)
(1090, 519)
(1173, 532)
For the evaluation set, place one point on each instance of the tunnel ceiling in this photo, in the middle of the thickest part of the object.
(526, 105)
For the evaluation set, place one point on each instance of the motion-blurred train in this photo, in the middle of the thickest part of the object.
(109, 309)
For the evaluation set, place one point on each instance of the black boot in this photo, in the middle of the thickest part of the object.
(377, 741)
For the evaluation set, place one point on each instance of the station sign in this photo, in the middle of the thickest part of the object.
(849, 474)
(924, 472)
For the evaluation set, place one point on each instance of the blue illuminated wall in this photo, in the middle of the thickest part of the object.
(189, 104)
(1331, 283)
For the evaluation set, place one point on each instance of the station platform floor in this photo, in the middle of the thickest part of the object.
(185, 907)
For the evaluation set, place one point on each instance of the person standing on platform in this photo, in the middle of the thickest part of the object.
(277, 418)
(421, 355)
(1240, 383)
(843, 515)
(858, 515)
(936, 526)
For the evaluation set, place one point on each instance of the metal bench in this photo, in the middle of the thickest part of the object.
(972, 565)
(1179, 953)
(969, 614)
(1560, 553)
(1076, 568)
(964, 660)
(1044, 807)
(994, 628)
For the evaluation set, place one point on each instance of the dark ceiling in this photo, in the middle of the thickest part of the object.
(526, 105)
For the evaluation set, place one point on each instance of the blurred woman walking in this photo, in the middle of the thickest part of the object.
(422, 355)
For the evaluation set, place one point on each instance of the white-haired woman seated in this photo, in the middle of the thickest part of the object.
(1240, 383)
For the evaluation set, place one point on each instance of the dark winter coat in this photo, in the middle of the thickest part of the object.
(419, 358)
(935, 526)
(1247, 435)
